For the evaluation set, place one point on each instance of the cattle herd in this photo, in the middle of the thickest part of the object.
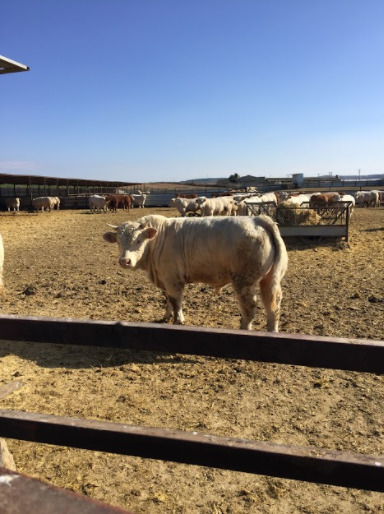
(96, 202)
(245, 203)
(113, 202)
(220, 204)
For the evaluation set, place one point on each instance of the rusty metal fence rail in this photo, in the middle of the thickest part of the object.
(309, 464)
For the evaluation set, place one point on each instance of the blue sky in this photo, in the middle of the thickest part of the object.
(169, 90)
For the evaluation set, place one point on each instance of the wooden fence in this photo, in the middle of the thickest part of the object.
(309, 464)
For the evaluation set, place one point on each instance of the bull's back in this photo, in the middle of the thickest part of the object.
(212, 250)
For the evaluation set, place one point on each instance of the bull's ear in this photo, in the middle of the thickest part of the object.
(115, 227)
(150, 232)
(110, 237)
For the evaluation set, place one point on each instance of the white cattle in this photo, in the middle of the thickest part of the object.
(184, 205)
(12, 203)
(219, 206)
(138, 200)
(98, 203)
(349, 198)
(367, 198)
(56, 202)
(269, 197)
(229, 205)
(1, 264)
(245, 252)
(43, 203)
(243, 209)
(297, 200)
(200, 199)
(211, 206)
(380, 194)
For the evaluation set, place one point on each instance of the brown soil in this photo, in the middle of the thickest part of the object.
(58, 265)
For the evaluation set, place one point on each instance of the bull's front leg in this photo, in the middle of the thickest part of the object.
(175, 296)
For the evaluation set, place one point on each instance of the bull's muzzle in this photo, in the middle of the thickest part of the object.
(125, 262)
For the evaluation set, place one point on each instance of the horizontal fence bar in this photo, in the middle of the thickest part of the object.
(304, 350)
(299, 463)
(20, 494)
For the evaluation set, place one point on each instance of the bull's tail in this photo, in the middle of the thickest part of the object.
(281, 256)
(270, 285)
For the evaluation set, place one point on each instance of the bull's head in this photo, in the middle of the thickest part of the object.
(132, 240)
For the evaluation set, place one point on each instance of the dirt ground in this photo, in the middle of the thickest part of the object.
(58, 265)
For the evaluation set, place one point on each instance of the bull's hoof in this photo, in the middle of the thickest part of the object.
(162, 320)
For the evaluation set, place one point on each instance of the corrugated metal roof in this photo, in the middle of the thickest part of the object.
(24, 180)
(9, 66)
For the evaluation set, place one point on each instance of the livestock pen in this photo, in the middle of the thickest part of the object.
(58, 266)
(311, 464)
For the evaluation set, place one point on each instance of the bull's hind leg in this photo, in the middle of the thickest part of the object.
(271, 296)
(246, 295)
(168, 308)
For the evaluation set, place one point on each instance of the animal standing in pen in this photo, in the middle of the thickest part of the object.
(97, 203)
(246, 252)
(44, 203)
(184, 205)
(138, 200)
(12, 203)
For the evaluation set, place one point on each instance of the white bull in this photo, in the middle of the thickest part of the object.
(242, 206)
(184, 205)
(43, 202)
(220, 206)
(1, 264)
(56, 202)
(269, 197)
(98, 203)
(367, 198)
(349, 198)
(139, 200)
(297, 200)
(245, 252)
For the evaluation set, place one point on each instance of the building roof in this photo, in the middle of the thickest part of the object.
(9, 66)
(24, 180)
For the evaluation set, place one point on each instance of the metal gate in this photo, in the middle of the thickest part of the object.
(301, 221)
